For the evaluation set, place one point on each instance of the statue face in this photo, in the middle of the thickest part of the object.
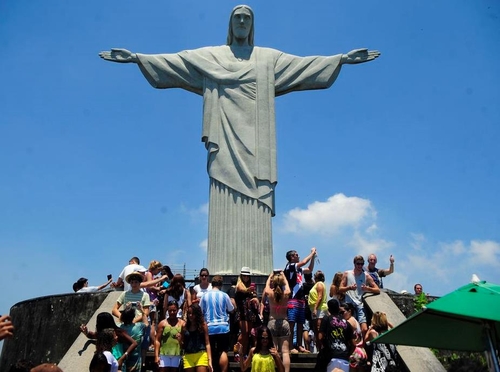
(241, 23)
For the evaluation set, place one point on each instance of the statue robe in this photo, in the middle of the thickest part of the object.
(239, 134)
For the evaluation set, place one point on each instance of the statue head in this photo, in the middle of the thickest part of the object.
(232, 33)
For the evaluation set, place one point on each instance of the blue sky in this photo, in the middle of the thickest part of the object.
(399, 157)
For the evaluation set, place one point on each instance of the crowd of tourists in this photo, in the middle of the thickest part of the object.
(193, 328)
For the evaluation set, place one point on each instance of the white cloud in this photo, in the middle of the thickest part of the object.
(418, 240)
(204, 245)
(485, 253)
(328, 217)
(342, 227)
(445, 266)
(365, 246)
(198, 213)
(203, 209)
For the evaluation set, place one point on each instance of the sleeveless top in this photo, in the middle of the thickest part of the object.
(356, 295)
(180, 301)
(263, 363)
(169, 344)
(313, 297)
(194, 341)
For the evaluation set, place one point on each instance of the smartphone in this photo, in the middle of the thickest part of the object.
(109, 276)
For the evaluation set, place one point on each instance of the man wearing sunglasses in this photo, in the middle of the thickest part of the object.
(354, 284)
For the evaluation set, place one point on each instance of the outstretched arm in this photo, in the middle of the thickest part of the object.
(102, 286)
(359, 56)
(119, 55)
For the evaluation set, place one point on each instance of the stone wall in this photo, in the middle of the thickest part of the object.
(406, 302)
(46, 327)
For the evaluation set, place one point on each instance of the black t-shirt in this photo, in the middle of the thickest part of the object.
(338, 336)
(293, 275)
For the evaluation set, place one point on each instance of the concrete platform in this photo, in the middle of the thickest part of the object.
(416, 359)
(79, 355)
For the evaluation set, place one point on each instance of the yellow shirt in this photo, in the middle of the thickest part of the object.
(263, 363)
(313, 297)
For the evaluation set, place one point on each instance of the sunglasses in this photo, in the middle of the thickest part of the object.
(204, 275)
(264, 337)
(360, 263)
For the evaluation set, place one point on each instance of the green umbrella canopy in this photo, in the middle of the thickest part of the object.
(467, 319)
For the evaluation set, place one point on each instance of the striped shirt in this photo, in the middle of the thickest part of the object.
(129, 296)
(216, 306)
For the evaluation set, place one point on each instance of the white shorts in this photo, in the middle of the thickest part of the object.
(338, 363)
(320, 314)
(170, 361)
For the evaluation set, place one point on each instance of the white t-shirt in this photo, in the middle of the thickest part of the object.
(111, 361)
(200, 291)
(129, 269)
(88, 289)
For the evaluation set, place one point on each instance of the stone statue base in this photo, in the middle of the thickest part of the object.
(239, 233)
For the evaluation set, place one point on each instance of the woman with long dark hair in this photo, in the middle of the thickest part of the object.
(195, 342)
(106, 340)
(264, 357)
(177, 291)
(125, 345)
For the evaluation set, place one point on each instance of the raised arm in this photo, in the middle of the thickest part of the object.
(359, 56)
(268, 290)
(286, 290)
(390, 270)
(307, 259)
(119, 55)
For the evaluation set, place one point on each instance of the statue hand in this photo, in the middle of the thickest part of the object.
(119, 55)
(360, 56)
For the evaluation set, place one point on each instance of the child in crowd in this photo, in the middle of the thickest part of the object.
(106, 339)
(99, 363)
(263, 357)
(133, 361)
(105, 320)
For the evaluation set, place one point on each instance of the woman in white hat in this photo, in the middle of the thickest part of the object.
(244, 291)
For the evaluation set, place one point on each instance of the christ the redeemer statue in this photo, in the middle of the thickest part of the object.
(238, 82)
